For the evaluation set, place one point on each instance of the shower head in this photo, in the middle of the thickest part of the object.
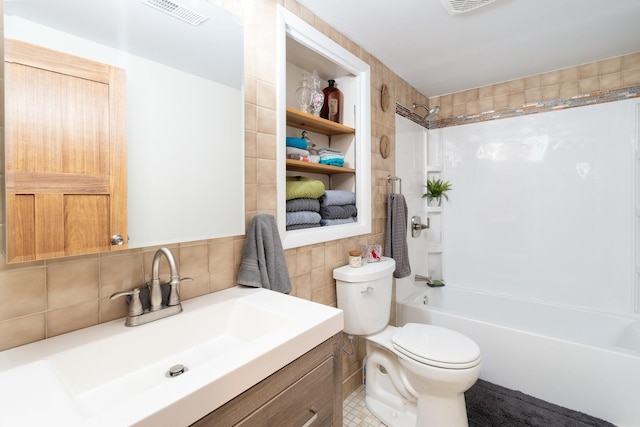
(431, 112)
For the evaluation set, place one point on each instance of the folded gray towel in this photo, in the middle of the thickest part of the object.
(263, 262)
(296, 205)
(302, 226)
(338, 211)
(326, 222)
(338, 197)
(395, 244)
(294, 150)
(303, 217)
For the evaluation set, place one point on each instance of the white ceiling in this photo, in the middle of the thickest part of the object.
(439, 53)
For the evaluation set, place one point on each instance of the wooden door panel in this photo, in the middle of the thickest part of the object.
(65, 151)
(86, 223)
(21, 236)
(60, 122)
(49, 217)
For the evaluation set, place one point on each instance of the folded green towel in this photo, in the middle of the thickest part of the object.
(299, 187)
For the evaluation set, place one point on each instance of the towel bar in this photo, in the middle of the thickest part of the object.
(395, 184)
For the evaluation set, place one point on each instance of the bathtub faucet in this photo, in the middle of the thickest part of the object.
(430, 282)
(419, 278)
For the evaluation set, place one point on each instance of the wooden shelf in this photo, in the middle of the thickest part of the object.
(301, 166)
(312, 123)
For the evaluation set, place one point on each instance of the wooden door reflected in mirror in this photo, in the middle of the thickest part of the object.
(66, 181)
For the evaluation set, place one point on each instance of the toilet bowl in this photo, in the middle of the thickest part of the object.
(416, 375)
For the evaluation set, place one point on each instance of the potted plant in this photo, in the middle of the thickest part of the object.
(436, 189)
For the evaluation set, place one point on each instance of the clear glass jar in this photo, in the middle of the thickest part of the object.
(304, 94)
(317, 96)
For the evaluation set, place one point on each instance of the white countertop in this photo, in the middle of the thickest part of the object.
(112, 375)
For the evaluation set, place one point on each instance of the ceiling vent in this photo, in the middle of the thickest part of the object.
(462, 6)
(177, 11)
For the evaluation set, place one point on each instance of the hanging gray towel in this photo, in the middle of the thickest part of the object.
(395, 245)
(263, 262)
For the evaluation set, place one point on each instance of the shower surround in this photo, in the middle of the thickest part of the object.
(543, 210)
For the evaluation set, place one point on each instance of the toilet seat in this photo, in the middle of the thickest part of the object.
(436, 346)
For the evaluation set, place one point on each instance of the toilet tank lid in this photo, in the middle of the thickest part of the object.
(368, 271)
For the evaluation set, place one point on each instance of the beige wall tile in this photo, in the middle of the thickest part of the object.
(631, 61)
(120, 273)
(589, 85)
(609, 66)
(588, 70)
(533, 82)
(550, 78)
(568, 89)
(267, 197)
(611, 81)
(71, 318)
(71, 283)
(194, 261)
(631, 77)
(22, 292)
(267, 145)
(516, 86)
(550, 92)
(22, 330)
(500, 89)
(532, 95)
(569, 75)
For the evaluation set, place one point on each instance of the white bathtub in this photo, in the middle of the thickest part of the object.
(582, 360)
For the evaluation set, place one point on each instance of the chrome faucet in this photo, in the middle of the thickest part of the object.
(155, 292)
(136, 314)
(419, 278)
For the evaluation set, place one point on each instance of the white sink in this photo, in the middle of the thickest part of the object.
(110, 375)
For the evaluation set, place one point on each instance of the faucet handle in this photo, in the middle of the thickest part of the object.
(174, 296)
(135, 305)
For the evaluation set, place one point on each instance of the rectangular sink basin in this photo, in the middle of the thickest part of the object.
(112, 375)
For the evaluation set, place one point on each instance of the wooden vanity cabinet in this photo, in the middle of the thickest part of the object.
(306, 392)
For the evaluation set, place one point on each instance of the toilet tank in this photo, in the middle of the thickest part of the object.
(364, 295)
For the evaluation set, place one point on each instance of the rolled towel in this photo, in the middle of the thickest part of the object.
(303, 217)
(301, 187)
(296, 142)
(326, 222)
(302, 226)
(294, 150)
(338, 211)
(296, 205)
(338, 197)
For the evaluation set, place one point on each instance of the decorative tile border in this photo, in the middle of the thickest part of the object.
(533, 108)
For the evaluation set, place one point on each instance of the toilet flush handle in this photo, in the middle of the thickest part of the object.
(368, 290)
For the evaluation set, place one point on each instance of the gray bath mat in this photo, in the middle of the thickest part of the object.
(489, 405)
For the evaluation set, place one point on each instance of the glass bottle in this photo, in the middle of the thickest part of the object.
(304, 94)
(332, 107)
(317, 96)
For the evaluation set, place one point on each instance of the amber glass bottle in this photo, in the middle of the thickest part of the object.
(332, 107)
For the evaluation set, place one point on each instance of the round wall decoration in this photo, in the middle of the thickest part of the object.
(384, 97)
(385, 146)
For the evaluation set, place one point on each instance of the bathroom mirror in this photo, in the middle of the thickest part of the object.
(184, 104)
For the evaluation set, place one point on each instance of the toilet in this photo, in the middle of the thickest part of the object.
(416, 375)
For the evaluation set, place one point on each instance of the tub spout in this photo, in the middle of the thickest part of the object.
(419, 278)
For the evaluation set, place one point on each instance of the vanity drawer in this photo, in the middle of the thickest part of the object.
(310, 400)
(285, 399)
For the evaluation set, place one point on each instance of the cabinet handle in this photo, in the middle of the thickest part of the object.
(313, 418)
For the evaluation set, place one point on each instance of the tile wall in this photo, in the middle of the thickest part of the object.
(48, 298)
